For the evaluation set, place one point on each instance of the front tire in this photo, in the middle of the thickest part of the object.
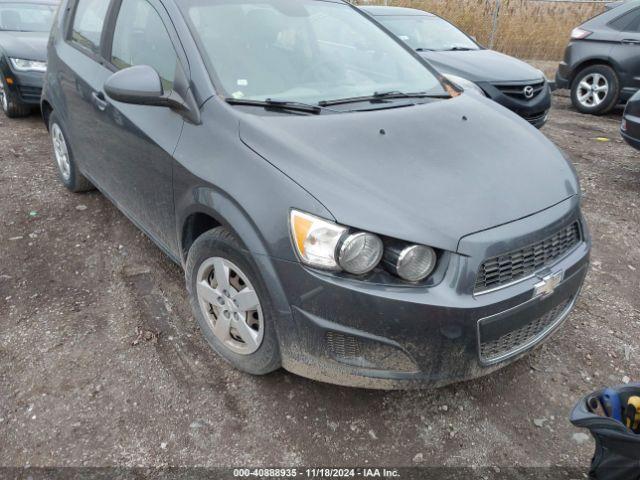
(68, 171)
(11, 106)
(595, 90)
(231, 304)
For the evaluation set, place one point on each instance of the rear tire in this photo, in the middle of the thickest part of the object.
(68, 171)
(11, 106)
(595, 90)
(218, 270)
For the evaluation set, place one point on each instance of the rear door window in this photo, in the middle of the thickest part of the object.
(140, 38)
(634, 26)
(629, 22)
(88, 22)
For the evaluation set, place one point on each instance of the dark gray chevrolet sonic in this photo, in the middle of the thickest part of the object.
(339, 209)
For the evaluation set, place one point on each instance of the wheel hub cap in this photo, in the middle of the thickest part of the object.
(592, 90)
(230, 305)
(3, 97)
(61, 151)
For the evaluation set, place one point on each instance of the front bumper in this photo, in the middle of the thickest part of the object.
(356, 333)
(534, 110)
(563, 76)
(634, 142)
(26, 86)
(631, 131)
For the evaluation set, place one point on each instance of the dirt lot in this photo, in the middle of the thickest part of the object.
(101, 362)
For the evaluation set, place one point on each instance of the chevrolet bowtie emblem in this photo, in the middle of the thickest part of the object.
(548, 284)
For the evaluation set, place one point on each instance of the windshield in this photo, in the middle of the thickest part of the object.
(302, 50)
(26, 17)
(427, 32)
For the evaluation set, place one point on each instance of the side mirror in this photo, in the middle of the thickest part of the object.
(140, 85)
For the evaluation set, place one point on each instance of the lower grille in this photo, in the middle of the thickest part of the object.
(367, 353)
(535, 118)
(511, 342)
(518, 91)
(343, 346)
(505, 269)
(31, 94)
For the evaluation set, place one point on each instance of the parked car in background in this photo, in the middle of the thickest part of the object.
(24, 30)
(612, 5)
(337, 208)
(630, 128)
(506, 80)
(601, 64)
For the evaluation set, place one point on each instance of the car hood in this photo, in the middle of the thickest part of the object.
(429, 174)
(482, 66)
(27, 45)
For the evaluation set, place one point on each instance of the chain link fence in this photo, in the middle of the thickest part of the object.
(528, 29)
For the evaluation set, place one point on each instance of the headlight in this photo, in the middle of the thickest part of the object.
(324, 244)
(316, 240)
(466, 85)
(412, 263)
(23, 65)
(360, 253)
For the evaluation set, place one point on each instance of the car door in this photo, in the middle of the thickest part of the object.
(626, 52)
(139, 140)
(78, 76)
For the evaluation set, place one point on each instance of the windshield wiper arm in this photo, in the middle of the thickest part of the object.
(377, 96)
(459, 49)
(425, 49)
(279, 104)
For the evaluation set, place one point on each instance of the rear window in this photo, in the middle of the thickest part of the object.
(88, 22)
(25, 17)
(628, 22)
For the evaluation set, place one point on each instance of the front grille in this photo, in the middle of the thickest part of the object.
(31, 94)
(510, 343)
(517, 91)
(510, 267)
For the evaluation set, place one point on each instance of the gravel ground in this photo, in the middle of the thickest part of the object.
(101, 363)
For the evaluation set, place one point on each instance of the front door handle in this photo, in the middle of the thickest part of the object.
(99, 101)
(630, 41)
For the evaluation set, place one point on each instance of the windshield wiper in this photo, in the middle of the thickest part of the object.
(459, 49)
(379, 96)
(425, 49)
(277, 104)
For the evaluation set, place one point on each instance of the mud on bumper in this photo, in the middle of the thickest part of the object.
(383, 335)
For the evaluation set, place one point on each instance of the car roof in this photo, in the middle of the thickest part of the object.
(379, 11)
(36, 2)
(617, 4)
(612, 13)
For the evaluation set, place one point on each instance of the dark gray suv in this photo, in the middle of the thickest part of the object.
(338, 208)
(602, 61)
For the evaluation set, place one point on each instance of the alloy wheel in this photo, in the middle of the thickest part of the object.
(230, 304)
(592, 90)
(61, 151)
(3, 97)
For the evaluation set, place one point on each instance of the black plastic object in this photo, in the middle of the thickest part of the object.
(617, 455)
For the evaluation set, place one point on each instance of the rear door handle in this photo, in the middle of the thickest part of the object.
(631, 41)
(99, 101)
